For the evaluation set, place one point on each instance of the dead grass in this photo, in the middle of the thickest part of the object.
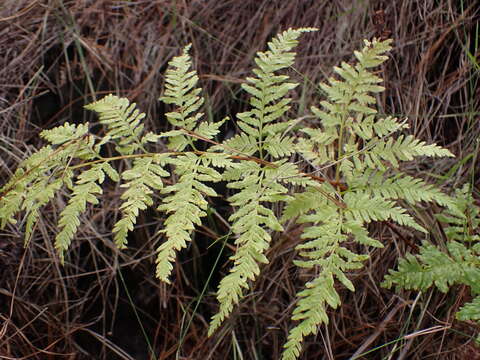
(60, 54)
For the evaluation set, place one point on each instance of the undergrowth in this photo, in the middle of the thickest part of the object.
(353, 177)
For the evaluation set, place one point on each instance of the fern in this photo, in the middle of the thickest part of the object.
(258, 185)
(458, 263)
(185, 205)
(86, 190)
(123, 121)
(180, 82)
(185, 201)
(357, 152)
(38, 178)
(141, 181)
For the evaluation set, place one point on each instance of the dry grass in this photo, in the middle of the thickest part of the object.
(60, 54)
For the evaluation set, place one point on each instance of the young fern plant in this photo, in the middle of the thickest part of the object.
(457, 263)
(352, 144)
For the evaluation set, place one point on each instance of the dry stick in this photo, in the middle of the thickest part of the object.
(377, 333)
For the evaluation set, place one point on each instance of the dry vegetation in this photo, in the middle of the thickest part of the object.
(57, 55)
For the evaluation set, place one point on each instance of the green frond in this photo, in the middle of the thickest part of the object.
(279, 147)
(311, 312)
(13, 193)
(430, 267)
(268, 100)
(364, 209)
(405, 148)
(85, 191)
(123, 121)
(181, 91)
(209, 130)
(251, 222)
(185, 205)
(322, 250)
(470, 311)
(239, 144)
(459, 263)
(36, 179)
(65, 133)
(360, 234)
(387, 126)
(141, 181)
(462, 219)
(398, 186)
(372, 53)
(38, 195)
(301, 203)
(317, 149)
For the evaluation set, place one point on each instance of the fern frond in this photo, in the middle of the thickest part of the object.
(323, 250)
(430, 267)
(398, 186)
(403, 149)
(85, 191)
(251, 222)
(123, 121)
(470, 311)
(364, 209)
(41, 175)
(462, 220)
(185, 205)
(373, 186)
(65, 133)
(141, 181)
(13, 192)
(268, 99)
(257, 185)
(459, 263)
(181, 91)
(311, 311)
(38, 195)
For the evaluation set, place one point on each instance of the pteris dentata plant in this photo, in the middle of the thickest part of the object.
(356, 152)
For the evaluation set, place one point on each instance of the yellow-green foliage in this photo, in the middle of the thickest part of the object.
(360, 150)
(457, 263)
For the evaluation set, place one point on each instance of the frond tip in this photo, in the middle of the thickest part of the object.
(123, 120)
(185, 205)
(140, 181)
(86, 190)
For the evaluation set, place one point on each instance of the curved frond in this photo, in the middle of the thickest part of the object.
(311, 312)
(470, 311)
(40, 176)
(323, 250)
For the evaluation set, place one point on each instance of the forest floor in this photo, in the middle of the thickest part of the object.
(58, 55)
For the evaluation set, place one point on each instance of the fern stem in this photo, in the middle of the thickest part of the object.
(340, 144)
